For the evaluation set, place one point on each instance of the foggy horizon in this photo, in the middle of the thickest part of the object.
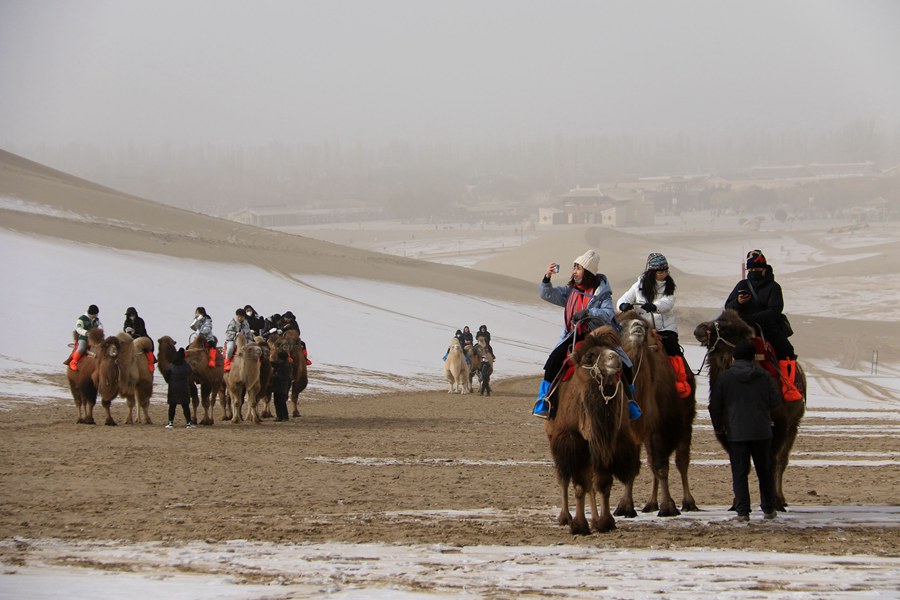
(469, 73)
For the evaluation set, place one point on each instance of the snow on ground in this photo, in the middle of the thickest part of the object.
(241, 569)
(53, 281)
(396, 322)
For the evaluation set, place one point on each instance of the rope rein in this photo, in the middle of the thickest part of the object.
(597, 374)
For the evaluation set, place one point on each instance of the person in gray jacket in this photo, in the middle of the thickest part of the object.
(740, 407)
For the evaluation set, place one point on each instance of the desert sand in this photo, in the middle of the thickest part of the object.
(423, 467)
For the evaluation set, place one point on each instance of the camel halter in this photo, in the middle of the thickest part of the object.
(597, 375)
(710, 348)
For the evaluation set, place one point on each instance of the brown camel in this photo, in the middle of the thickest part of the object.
(243, 380)
(82, 382)
(667, 422)
(106, 375)
(591, 436)
(135, 377)
(720, 336)
(291, 343)
(210, 379)
(483, 366)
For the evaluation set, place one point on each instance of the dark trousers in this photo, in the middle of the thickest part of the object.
(740, 454)
(281, 411)
(185, 407)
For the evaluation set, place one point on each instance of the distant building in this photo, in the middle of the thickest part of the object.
(593, 206)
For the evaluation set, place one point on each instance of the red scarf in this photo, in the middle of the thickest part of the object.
(578, 300)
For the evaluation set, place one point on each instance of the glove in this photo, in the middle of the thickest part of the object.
(625, 306)
(129, 330)
(581, 314)
(649, 306)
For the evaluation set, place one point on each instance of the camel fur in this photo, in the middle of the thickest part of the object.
(483, 366)
(591, 437)
(720, 336)
(456, 370)
(243, 380)
(666, 425)
(107, 373)
(135, 377)
(82, 383)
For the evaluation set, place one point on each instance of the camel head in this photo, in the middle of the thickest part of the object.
(597, 357)
(455, 346)
(635, 330)
(728, 327)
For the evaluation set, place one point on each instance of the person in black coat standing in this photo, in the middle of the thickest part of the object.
(741, 408)
(178, 376)
(281, 385)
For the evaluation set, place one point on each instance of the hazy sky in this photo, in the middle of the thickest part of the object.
(255, 71)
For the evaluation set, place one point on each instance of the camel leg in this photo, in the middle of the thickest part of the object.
(625, 508)
(683, 461)
(659, 465)
(652, 504)
(604, 521)
(253, 415)
(565, 517)
(129, 402)
(579, 525)
(237, 399)
(295, 399)
(781, 462)
(77, 399)
(89, 412)
(144, 406)
(266, 413)
(106, 404)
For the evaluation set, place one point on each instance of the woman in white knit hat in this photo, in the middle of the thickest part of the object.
(587, 295)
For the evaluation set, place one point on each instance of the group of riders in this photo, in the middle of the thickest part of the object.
(246, 323)
(587, 300)
(466, 340)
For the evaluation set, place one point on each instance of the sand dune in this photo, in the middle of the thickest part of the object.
(838, 287)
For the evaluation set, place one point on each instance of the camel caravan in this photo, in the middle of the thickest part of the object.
(123, 366)
(594, 440)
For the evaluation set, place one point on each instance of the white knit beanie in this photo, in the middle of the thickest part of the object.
(590, 261)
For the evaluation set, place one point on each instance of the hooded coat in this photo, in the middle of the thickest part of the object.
(178, 376)
(742, 402)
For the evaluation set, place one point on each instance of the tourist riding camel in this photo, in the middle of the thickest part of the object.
(255, 320)
(89, 320)
(238, 327)
(760, 303)
(587, 299)
(484, 334)
(134, 326)
(653, 298)
(203, 324)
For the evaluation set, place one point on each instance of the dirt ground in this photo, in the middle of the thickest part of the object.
(390, 468)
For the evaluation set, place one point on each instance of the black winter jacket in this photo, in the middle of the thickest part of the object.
(140, 330)
(178, 376)
(742, 402)
(765, 307)
(281, 377)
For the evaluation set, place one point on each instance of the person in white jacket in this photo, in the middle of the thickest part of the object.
(653, 297)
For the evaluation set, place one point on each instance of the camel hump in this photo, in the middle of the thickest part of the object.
(143, 344)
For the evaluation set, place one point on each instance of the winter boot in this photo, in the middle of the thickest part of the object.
(306, 356)
(212, 357)
(151, 360)
(634, 411)
(788, 370)
(227, 364)
(681, 382)
(542, 406)
(73, 360)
